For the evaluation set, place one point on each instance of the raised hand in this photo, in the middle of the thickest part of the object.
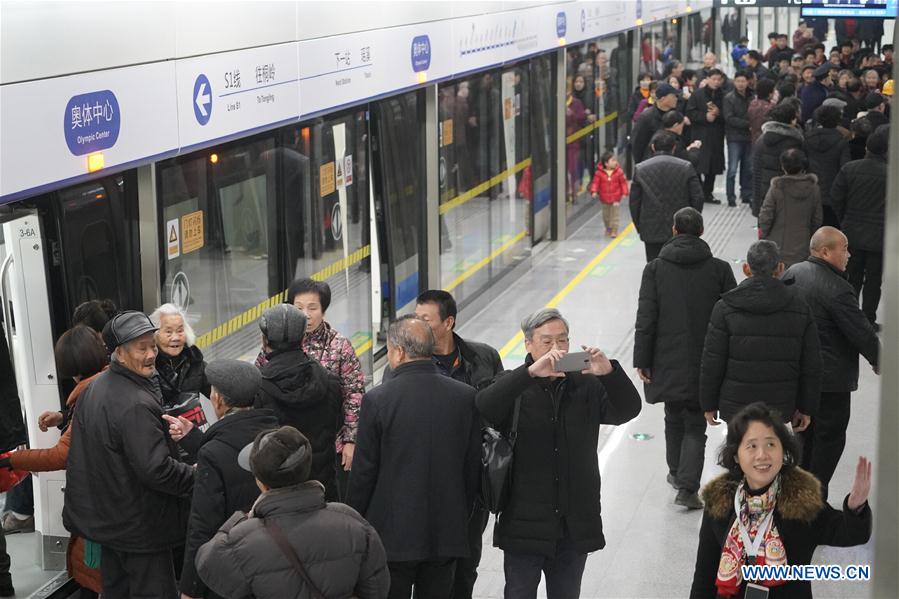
(545, 365)
(600, 365)
(178, 427)
(48, 419)
(861, 486)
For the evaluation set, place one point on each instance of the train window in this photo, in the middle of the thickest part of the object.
(484, 152)
(219, 252)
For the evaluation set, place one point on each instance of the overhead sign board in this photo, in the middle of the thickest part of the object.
(221, 95)
(50, 126)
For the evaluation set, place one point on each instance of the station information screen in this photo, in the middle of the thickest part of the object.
(850, 8)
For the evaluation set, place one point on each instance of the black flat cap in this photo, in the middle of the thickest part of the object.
(278, 458)
(238, 381)
(125, 327)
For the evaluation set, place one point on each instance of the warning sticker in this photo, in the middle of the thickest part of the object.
(192, 233)
(173, 238)
(339, 175)
(446, 133)
(326, 179)
(348, 170)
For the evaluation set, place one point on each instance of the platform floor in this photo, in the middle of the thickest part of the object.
(651, 542)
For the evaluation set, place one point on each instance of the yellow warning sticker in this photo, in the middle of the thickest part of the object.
(326, 179)
(192, 232)
(446, 137)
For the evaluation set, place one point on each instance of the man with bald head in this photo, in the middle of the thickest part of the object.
(415, 470)
(844, 332)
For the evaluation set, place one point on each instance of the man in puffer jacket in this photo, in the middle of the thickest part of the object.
(828, 151)
(299, 390)
(293, 543)
(859, 200)
(761, 344)
(779, 134)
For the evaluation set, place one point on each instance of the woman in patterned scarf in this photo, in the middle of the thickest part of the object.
(335, 352)
(767, 511)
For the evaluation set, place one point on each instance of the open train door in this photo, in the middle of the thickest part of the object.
(28, 333)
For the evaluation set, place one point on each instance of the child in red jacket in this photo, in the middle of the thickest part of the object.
(609, 186)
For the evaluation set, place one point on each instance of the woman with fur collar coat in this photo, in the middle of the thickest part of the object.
(778, 501)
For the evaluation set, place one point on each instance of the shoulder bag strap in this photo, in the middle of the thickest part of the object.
(513, 433)
(292, 557)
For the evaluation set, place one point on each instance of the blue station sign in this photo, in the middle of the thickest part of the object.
(91, 122)
(421, 53)
(561, 24)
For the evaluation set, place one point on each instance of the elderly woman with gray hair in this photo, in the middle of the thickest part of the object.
(552, 518)
(179, 363)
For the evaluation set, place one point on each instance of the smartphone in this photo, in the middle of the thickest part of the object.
(756, 591)
(573, 362)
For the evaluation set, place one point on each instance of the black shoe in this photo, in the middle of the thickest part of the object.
(671, 481)
(731, 203)
(689, 500)
(712, 200)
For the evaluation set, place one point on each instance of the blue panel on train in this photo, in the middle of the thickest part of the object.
(92, 122)
(407, 290)
(421, 53)
(542, 198)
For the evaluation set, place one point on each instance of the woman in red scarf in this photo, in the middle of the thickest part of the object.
(767, 511)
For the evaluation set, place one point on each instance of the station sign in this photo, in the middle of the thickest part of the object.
(91, 122)
(233, 93)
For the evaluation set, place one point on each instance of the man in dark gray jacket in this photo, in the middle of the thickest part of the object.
(292, 544)
(124, 483)
(739, 141)
(415, 470)
(662, 185)
(678, 292)
(844, 332)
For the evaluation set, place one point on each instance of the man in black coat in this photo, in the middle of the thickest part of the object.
(859, 201)
(761, 345)
(301, 392)
(779, 134)
(553, 517)
(705, 110)
(123, 481)
(828, 151)
(222, 486)
(844, 332)
(662, 185)
(739, 144)
(476, 365)
(674, 122)
(415, 470)
(650, 120)
(678, 292)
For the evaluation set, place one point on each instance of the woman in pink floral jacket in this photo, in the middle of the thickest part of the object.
(333, 351)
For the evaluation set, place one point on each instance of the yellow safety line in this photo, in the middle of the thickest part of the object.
(557, 298)
(251, 315)
(594, 125)
(364, 347)
(484, 262)
(482, 187)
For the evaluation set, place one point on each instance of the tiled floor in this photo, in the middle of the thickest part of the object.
(651, 543)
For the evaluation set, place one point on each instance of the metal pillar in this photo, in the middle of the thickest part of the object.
(559, 212)
(886, 465)
(148, 220)
(432, 195)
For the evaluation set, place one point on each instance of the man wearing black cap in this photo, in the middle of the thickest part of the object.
(123, 480)
(814, 93)
(222, 487)
(415, 471)
(876, 107)
(650, 120)
(293, 543)
(300, 391)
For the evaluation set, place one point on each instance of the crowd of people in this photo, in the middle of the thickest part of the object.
(286, 478)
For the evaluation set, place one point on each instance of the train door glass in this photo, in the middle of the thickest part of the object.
(219, 245)
(398, 157)
(537, 182)
(326, 203)
(99, 238)
(484, 149)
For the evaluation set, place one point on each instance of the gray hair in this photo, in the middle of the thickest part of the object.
(413, 335)
(763, 258)
(540, 318)
(172, 310)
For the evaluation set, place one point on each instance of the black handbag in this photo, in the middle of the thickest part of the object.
(497, 455)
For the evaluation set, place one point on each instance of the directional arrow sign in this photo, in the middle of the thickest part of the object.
(202, 99)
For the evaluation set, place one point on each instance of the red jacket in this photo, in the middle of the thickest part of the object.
(611, 188)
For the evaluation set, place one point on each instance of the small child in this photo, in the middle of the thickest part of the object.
(609, 186)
